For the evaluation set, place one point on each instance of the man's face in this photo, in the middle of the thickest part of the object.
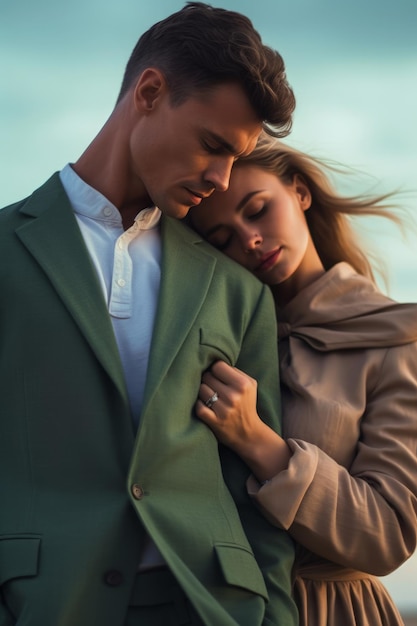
(182, 154)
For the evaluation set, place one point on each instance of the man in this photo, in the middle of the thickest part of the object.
(118, 508)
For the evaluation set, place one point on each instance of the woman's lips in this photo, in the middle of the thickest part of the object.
(268, 260)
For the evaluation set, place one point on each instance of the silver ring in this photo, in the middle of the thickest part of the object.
(209, 403)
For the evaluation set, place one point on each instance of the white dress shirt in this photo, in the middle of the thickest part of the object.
(128, 268)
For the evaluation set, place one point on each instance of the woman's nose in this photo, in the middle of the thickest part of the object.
(251, 241)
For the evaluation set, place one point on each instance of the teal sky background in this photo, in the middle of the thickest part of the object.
(353, 67)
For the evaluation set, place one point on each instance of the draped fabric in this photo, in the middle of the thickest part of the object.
(348, 358)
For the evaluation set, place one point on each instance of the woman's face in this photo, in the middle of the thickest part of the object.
(260, 223)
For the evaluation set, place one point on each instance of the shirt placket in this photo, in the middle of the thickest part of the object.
(121, 290)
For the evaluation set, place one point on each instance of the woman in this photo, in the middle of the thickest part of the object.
(343, 479)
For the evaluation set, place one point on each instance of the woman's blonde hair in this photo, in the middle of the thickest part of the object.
(329, 215)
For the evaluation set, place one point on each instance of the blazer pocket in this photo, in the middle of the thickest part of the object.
(240, 569)
(221, 344)
(19, 556)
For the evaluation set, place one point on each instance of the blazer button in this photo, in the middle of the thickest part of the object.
(113, 578)
(137, 492)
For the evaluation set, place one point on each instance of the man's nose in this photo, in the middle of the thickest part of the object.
(218, 174)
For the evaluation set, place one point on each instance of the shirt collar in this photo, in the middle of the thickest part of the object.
(89, 202)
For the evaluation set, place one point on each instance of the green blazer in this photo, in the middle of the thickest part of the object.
(78, 486)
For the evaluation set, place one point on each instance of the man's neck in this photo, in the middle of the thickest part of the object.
(105, 166)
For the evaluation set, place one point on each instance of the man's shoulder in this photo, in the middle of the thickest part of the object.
(51, 186)
(223, 265)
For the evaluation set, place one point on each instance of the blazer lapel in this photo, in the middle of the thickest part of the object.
(55, 241)
(186, 272)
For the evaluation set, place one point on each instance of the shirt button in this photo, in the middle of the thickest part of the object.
(113, 578)
(107, 211)
(137, 492)
(121, 282)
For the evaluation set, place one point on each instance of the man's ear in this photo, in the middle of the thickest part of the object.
(302, 191)
(150, 87)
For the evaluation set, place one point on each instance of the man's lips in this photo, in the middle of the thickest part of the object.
(198, 196)
(268, 260)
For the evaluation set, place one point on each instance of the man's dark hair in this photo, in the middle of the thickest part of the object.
(200, 47)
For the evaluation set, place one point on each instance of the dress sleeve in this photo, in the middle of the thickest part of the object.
(364, 516)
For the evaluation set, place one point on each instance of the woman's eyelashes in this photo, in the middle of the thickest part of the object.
(257, 213)
(221, 242)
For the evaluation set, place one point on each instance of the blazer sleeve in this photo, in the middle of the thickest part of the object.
(5, 617)
(364, 516)
(273, 547)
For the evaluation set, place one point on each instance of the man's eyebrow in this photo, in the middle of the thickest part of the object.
(240, 204)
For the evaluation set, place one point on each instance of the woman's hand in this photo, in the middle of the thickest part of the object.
(234, 420)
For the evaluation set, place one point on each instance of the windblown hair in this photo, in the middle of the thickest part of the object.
(328, 218)
(200, 47)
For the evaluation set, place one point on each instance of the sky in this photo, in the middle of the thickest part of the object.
(352, 65)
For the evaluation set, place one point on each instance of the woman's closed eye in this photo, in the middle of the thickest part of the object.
(219, 241)
(257, 213)
(222, 238)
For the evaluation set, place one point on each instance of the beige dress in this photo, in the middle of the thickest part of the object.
(348, 362)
